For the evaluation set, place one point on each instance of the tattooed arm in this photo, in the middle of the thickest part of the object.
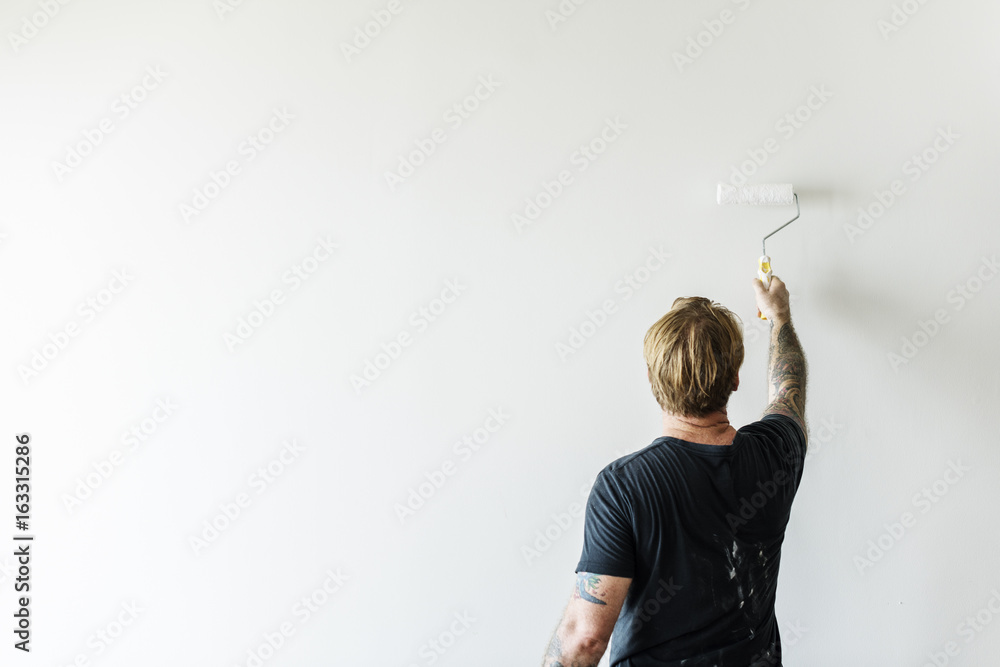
(585, 630)
(786, 367)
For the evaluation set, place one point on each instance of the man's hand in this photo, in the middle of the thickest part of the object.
(772, 302)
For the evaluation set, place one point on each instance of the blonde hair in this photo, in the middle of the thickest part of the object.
(694, 354)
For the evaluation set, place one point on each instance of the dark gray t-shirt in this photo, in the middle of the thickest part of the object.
(699, 529)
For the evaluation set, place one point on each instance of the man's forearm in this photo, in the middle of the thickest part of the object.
(786, 370)
(565, 651)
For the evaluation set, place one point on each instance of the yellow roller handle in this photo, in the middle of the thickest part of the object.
(764, 274)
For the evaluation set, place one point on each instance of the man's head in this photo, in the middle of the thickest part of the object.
(694, 354)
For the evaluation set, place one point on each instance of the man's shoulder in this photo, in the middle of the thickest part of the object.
(770, 420)
(786, 419)
(628, 462)
(782, 430)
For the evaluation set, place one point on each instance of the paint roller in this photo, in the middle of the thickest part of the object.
(768, 194)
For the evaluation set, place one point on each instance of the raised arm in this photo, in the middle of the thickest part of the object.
(786, 366)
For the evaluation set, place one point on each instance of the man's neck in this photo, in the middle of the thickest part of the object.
(712, 429)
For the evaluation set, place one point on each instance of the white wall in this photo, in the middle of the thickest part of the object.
(881, 431)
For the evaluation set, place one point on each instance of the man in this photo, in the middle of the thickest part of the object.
(682, 539)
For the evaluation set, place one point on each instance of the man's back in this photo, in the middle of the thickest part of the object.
(699, 530)
(682, 540)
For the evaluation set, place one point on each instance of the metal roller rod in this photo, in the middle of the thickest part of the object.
(763, 244)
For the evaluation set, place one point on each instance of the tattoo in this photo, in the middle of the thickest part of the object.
(555, 654)
(585, 584)
(555, 649)
(787, 373)
(587, 589)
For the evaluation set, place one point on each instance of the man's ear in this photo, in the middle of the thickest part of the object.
(737, 385)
